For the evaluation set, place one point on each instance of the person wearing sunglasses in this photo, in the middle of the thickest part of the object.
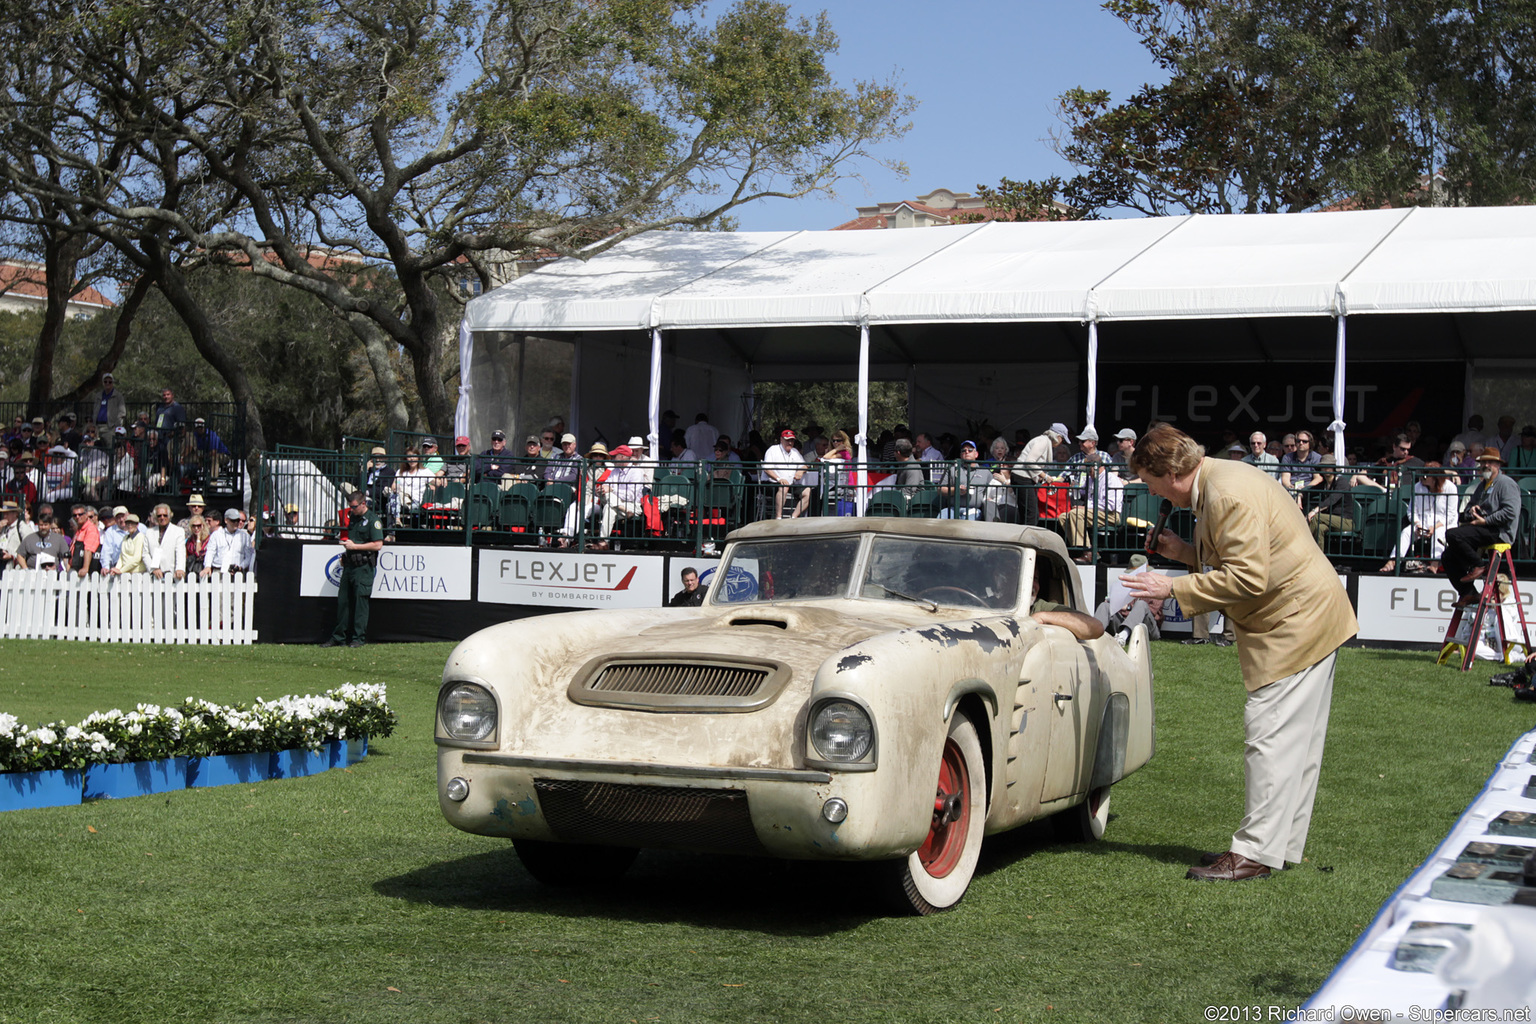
(165, 545)
(1296, 472)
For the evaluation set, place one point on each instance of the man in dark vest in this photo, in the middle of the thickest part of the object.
(363, 538)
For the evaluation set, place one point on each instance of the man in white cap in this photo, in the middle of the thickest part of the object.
(1029, 471)
(641, 466)
(1125, 443)
(1087, 444)
(564, 467)
(114, 530)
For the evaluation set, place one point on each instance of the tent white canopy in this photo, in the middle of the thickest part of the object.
(885, 298)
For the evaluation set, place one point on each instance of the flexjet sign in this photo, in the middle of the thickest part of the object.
(571, 581)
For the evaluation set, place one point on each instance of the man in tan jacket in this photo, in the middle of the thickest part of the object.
(1291, 615)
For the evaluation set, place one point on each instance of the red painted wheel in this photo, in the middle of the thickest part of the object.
(941, 851)
(935, 876)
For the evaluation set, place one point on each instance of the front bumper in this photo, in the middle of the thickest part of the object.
(721, 809)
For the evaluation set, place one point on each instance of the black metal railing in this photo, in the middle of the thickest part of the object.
(1362, 512)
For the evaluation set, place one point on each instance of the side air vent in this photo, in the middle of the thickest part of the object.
(718, 683)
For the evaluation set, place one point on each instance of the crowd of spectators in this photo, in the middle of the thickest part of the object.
(86, 540)
(109, 457)
(1070, 480)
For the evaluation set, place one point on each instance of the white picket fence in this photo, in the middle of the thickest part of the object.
(39, 604)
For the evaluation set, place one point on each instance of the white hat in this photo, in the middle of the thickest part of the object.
(1061, 431)
(637, 442)
(1088, 434)
(1126, 434)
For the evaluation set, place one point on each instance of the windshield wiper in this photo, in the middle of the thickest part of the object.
(933, 607)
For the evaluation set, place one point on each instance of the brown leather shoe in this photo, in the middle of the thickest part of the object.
(1229, 867)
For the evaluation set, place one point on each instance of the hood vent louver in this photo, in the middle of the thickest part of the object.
(714, 683)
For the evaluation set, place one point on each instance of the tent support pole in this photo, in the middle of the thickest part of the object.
(863, 439)
(466, 357)
(1337, 426)
(1093, 371)
(654, 406)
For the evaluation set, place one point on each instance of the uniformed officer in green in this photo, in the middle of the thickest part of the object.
(362, 541)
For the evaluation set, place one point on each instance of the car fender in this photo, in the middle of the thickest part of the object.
(912, 681)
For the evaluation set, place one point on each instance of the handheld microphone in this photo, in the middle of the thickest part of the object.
(1155, 530)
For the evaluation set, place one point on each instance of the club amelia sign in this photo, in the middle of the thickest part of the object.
(405, 572)
(569, 580)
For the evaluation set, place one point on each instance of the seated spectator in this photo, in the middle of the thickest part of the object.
(1135, 612)
(495, 463)
(429, 457)
(157, 463)
(59, 474)
(94, 467)
(1100, 507)
(680, 453)
(783, 470)
(22, 484)
(909, 472)
(964, 488)
(1431, 512)
(1523, 455)
(622, 494)
(44, 548)
(1259, 455)
(457, 468)
(564, 466)
(411, 483)
(377, 480)
(69, 435)
(1332, 504)
(1296, 468)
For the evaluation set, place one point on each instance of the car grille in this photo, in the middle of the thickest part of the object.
(719, 683)
(618, 814)
(680, 680)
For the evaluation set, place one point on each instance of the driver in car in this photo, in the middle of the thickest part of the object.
(1051, 613)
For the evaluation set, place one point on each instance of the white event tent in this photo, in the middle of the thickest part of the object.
(712, 312)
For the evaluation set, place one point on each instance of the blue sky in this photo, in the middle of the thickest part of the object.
(986, 75)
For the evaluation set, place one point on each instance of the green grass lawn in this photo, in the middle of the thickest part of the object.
(345, 897)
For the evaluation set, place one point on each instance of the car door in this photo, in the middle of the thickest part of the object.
(1067, 699)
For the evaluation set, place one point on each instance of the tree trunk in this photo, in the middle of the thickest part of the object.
(376, 346)
(61, 257)
(120, 334)
(174, 287)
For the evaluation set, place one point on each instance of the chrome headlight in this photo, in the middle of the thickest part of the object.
(841, 731)
(468, 712)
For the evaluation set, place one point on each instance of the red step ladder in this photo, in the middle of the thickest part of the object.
(1487, 601)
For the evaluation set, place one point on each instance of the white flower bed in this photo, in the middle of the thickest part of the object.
(197, 728)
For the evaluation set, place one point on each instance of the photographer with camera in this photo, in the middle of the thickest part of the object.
(1489, 518)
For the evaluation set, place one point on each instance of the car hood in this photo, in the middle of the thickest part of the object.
(802, 634)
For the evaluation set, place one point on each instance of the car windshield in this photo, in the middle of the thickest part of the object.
(899, 568)
(944, 572)
(803, 568)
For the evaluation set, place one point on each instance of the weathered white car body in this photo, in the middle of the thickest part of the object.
(704, 728)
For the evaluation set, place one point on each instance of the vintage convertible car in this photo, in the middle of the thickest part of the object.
(852, 689)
